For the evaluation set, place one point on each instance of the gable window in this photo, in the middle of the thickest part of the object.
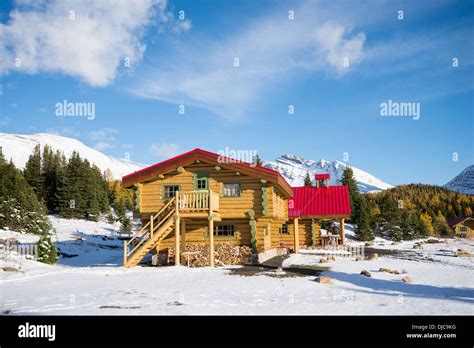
(224, 230)
(201, 184)
(284, 229)
(231, 190)
(463, 229)
(170, 190)
(201, 181)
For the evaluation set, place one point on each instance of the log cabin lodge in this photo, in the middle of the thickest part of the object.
(182, 199)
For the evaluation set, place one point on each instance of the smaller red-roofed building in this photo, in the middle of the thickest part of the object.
(462, 226)
(312, 204)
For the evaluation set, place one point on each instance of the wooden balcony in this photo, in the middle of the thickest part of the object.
(197, 203)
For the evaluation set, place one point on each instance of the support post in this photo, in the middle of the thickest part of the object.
(124, 253)
(343, 232)
(183, 235)
(211, 241)
(151, 225)
(177, 256)
(297, 236)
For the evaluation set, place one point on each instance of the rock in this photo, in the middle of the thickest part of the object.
(367, 244)
(323, 260)
(358, 258)
(388, 270)
(11, 269)
(279, 270)
(463, 253)
(373, 256)
(418, 246)
(7, 311)
(324, 280)
(366, 273)
(407, 279)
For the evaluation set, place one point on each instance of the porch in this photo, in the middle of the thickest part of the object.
(184, 206)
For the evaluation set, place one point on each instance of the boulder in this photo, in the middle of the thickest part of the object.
(366, 273)
(388, 270)
(324, 280)
(323, 260)
(407, 279)
(373, 256)
(11, 269)
(463, 253)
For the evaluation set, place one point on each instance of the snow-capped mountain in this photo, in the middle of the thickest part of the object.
(19, 147)
(464, 182)
(294, 169)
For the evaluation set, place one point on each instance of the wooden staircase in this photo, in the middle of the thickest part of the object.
(150, 235)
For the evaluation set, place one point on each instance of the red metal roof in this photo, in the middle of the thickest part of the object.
(310, 201)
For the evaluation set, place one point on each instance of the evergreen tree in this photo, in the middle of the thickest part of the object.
(47, 252)
(363, 228)
(354, 193)
(20, 209)
(307, 180)
(32, 172)
(257, 161)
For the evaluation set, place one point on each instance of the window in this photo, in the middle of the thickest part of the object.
(284, 229)
(201, 184)
(170, 191)
(201, 181)
(463, 229)
(231, 190)
(224, 231)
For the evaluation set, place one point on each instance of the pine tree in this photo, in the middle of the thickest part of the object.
(354, 193)
(47, 252)
(32, 172)
(307, 180)
(363, 228)
(20, 209)
(257, 161)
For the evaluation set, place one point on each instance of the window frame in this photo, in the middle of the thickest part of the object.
(230, 236)
(170, 185)
(201, 176)
(231, 183)
(287, 227)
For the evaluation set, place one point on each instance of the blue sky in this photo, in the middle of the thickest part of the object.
(301, 62)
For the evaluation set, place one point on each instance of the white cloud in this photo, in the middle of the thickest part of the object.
(164, 150)
(100, 146)
(270, 49)
(104, 134)
(91, 46)
(334, 47)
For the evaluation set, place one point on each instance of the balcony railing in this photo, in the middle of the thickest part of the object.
(197, 201)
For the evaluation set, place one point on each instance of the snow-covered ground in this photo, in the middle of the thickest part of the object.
(89, 279)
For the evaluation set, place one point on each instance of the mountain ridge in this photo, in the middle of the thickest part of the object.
(294, 169)
(463, 182)
(18, 148)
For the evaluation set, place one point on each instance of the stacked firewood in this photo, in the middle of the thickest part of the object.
(224, 254)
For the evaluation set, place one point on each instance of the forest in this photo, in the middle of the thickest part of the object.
(52, 184)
